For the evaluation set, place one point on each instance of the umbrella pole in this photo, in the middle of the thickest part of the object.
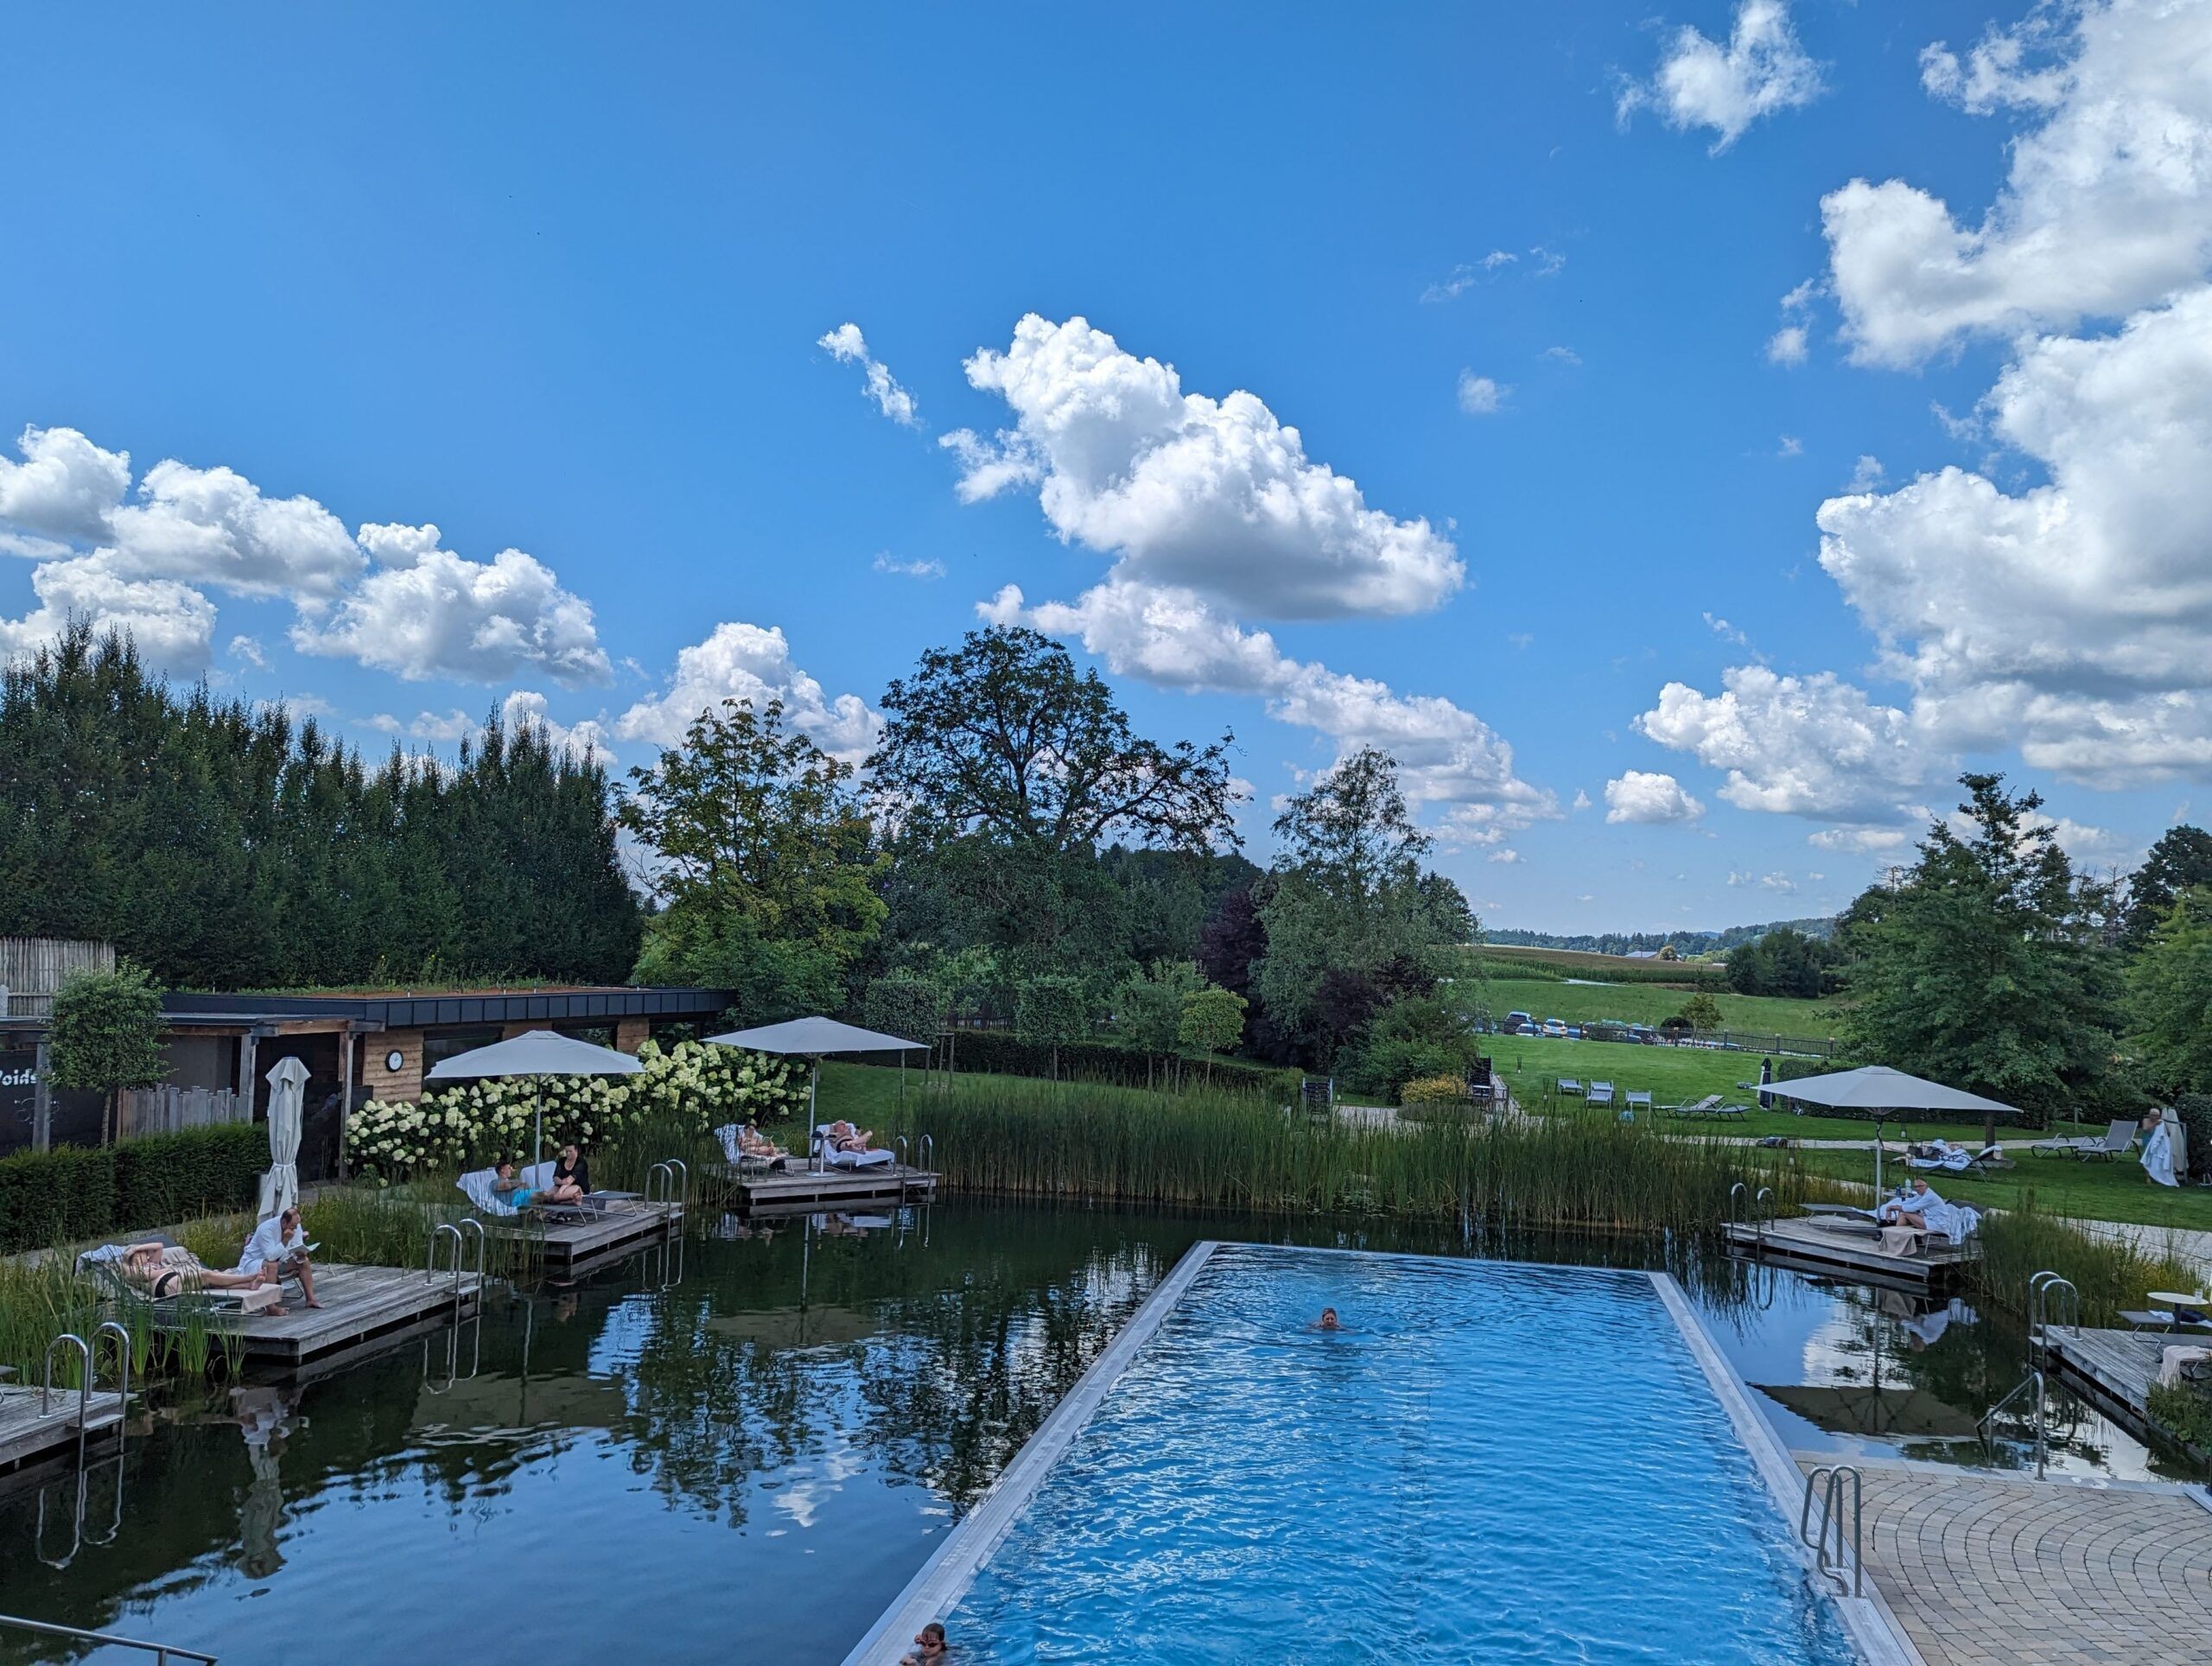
(536, 1118)
(813, 1080)
(1877, 1162)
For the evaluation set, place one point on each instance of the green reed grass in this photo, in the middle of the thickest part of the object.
(2110, 1275)
(1225, 1150)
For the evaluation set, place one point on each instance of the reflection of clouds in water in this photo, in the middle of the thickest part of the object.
(802, 1500)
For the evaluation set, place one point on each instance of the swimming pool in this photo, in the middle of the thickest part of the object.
(1487, 1462)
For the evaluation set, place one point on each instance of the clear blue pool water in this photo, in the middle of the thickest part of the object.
(1490, 1463)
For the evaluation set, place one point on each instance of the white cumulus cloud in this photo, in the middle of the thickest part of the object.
(1701, 82)
(739, 661)
(1643, 797)
(1479, 396)
(173, 624)
(2107, 206)
(1214, 496)
(424, 612)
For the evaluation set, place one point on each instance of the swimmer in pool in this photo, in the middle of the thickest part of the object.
(1327, 1321)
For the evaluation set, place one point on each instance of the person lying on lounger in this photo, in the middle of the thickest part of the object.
(756, 1147)
(843, 1136)
(279, 1245)
(143, 1266)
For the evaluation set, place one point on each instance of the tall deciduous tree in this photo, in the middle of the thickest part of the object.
(2182, 858)
(766, 866)
(2170, 987)
(106, 1035)
(1978, 967)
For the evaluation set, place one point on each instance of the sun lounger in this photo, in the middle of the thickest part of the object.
(105, 1264)
(477, 1183)
(1601, 1093)
(1962, 1161)
(835, 1159)
(1730, 1113)
(1704, 1107)
(2119, 1131)
(1570, 1085)
(1639, 1099)
(727, 1133)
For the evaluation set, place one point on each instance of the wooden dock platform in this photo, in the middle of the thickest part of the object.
(28, 1434)
(358, 1303)
(2113, 1370)
(835, 1188)
(1809, 1246)
(572, 1247)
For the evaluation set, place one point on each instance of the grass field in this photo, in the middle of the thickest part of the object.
(1505, 959)
(2117, 1191)
(1646, 1004)
(1679, 1075)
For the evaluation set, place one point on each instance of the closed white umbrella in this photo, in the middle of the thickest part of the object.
(809, 1039)
(1881, 1090)
(537, 1054)
(280, 1187)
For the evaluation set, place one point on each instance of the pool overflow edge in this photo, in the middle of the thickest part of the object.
(945, 1577)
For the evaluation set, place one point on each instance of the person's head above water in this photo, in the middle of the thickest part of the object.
(1328, 1319)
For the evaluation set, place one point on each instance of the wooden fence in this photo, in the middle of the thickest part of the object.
(166, 1110)
(31, 970)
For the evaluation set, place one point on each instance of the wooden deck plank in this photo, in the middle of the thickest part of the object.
(357, 1302)
(1807, 1242)
(893, 1183)
(569, 1245)
(27, 1433)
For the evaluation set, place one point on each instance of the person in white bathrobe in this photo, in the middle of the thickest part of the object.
(2159, 1149)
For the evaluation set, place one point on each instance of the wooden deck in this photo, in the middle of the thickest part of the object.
(358, 1303)
(835, 1188)
(1806, 1244)
(2114, 1370)
(28, 1434)
(571, 1248)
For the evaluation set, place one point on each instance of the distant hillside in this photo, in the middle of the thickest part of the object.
(1686, 942)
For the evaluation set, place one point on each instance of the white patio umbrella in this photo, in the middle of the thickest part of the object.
(535, 1054)
(1881, 1090)
(810, 1037)
(280, 1187)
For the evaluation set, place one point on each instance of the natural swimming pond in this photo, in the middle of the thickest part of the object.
(749, 1449)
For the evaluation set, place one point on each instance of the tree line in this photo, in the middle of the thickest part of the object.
(224, 846)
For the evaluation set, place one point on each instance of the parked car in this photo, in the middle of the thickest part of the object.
(1556, 1028)
(1644, 1033)
(1518, 1024)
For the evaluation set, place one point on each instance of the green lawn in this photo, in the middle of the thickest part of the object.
(1678, 1075)
(1646, 1003)
(2116, 1190)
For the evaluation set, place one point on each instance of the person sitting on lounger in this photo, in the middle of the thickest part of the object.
(1911, 1209)
(843, 1136)
(279, 1245)
(145, 1267)
(512, 1191)
(571, 1178)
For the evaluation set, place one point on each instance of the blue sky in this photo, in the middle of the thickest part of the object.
(555, 280)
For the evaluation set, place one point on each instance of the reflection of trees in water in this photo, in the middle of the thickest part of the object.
(937, 1364)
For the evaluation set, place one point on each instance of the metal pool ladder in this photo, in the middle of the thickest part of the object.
(1829, 1532)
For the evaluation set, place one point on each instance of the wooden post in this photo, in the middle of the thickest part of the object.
(41, 1103)
(345, 1094)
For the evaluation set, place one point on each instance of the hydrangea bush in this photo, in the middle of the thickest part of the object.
(694, 1083)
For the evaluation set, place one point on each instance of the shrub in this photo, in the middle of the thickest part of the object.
(905, 1004)
(1433, 1091)
(2183, 1412)
(74, 1192)
(695, 1084)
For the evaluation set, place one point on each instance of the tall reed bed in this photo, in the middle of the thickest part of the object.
(44, 1297)
(1213, 1149)
(2110, 1275)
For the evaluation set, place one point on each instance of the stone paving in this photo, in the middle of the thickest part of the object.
(1981, 1569)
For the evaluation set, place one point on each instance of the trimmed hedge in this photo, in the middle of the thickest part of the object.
(2195, 1110)
(1095, 1061)
(74, 1192)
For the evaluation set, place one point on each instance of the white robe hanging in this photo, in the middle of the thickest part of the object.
(2159, 1154)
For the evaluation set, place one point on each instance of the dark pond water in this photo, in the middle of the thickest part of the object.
(744, 1451)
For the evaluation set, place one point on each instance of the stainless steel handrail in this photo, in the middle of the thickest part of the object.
(160, 1651)
(681, 1172)
(439, 1233)
(2043, 1289)
(108, 1327)
(1737, 1193)
(1831, 1524)
(2034, 1380)
(926, 1149)
(1760, 1200)
(84, 1386)
(469, 1223)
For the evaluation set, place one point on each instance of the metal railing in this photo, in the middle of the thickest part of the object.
(2053, 1303)
(160, 1651)
(439, 1234)
(1830, 1529)
(674, 1192)
(2034, 1380)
